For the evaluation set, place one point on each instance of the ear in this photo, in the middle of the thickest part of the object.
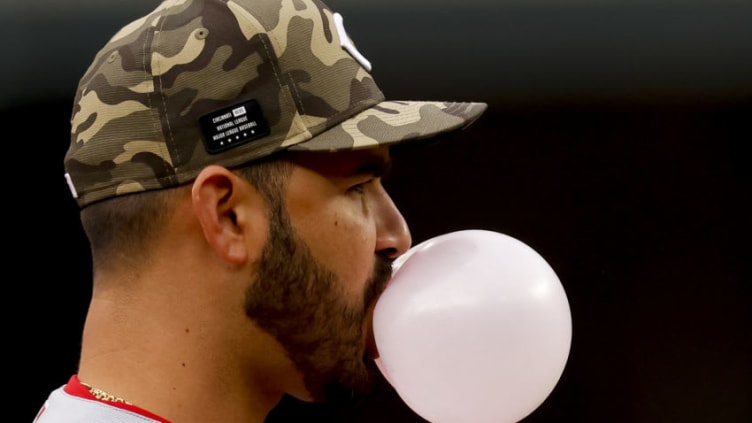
(227, 208)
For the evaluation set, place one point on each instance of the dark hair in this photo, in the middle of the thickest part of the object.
(121, 229)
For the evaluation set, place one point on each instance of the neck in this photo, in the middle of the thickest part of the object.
(171, 361)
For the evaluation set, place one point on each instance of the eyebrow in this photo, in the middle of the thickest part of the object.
(375, 165)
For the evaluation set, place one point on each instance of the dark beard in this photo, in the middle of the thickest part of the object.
(299, 302)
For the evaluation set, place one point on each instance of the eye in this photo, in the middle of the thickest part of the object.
(360, 188)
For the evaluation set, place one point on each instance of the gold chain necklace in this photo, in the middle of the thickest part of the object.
(104, 396)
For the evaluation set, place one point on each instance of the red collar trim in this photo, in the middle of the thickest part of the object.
(76, 388)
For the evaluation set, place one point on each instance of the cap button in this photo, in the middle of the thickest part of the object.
(201, 33)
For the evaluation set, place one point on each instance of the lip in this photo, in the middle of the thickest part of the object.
(371, 350)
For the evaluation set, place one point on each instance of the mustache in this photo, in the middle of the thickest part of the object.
(382, 272)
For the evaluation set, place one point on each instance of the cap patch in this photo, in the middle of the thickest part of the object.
(233, 126)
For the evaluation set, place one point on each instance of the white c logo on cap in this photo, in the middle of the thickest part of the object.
(347, 44)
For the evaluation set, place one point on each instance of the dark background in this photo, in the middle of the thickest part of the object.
(615, 144)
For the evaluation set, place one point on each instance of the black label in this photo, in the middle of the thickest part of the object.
(233, 126)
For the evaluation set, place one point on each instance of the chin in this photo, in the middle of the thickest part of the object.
(340, 392)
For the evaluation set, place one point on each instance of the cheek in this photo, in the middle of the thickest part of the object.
(343, 240)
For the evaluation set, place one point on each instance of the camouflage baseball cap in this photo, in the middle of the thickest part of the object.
(200, 82)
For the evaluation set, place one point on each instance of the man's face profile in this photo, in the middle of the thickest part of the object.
(302, 303)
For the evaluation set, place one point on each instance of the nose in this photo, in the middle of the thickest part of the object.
(392, 233)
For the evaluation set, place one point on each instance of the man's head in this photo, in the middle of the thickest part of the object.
(202, 102)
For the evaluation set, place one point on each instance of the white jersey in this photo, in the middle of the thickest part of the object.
(73, 403)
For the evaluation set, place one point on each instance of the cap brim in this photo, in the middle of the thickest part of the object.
(391, 122)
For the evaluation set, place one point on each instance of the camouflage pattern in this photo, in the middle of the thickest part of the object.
(134, 125)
